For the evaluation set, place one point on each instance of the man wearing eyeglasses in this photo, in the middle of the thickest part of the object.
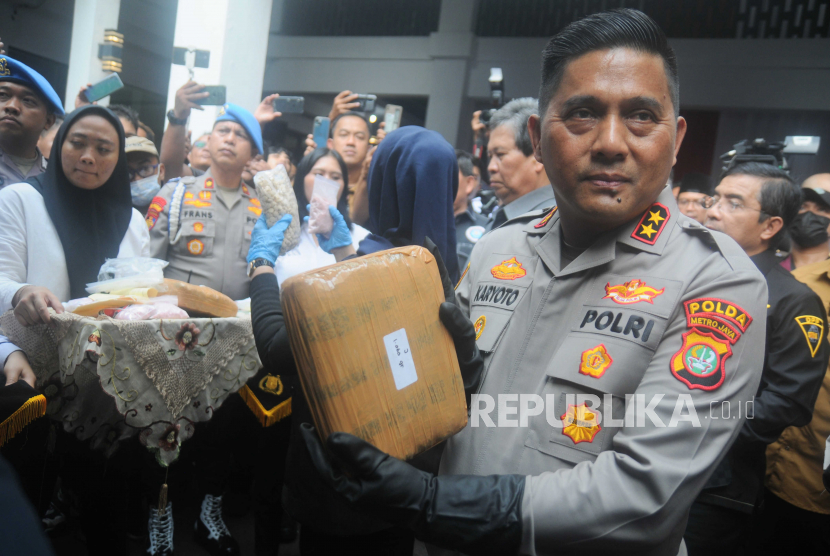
(754, 203)
(694, 189)
(146, 174)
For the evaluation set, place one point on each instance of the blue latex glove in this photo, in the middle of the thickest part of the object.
(267, 242)
(340, 235)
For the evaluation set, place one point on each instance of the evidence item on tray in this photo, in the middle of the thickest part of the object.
(373, 357)
(199, 300)
(277, 197)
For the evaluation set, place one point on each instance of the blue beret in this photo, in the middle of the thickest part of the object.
(233, 113)
(18, 72)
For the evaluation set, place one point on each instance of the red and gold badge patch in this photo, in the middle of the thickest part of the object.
(595, 361)
(700, 362)
(717, 315)
(580, 424)
(209, 183)
(195, 246)
(546, 219)
(156, 206)
(245, 190)
(632, 291)
(511, 269)
(651, 224)
(479, 325)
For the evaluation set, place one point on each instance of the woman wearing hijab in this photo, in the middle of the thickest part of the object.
(308, 255)
(412, 185)
(56, 230)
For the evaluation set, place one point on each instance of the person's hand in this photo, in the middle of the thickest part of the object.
(381, 132)
(476, 123)
(265, 113)
(344, 102)
(310, 145)
(80, 99)
(266, 242)
(31, 305)
(340, 235)
(17, 368)
(469, 513)
(186, 98)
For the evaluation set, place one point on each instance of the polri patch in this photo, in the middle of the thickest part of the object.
(511, 269)
(632, 291)
(580, 424)
(813, 329)
(195, 246)
(479, 325)
(651, 224)
(546, 219)
(699, 363)
(595, 361)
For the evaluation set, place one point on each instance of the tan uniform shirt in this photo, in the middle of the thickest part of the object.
(659, 320)
(211, 242)
(794, 462)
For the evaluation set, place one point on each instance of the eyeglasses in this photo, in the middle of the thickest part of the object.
(144, 172)
(689, 202)
(731, 205)
(200, 144)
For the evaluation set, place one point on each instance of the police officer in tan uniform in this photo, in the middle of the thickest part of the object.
(202, 227)
(609, 328)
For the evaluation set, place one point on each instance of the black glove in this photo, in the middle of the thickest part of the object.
(464, 337)
(474, 514)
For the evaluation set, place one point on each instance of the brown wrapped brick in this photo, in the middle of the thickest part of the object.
(373, 357)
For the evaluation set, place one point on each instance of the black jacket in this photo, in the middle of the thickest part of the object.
(795, 362)
(306, 498)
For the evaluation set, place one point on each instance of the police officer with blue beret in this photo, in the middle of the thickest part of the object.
(28, 106)
(202, 227)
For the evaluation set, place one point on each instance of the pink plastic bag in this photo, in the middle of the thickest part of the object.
(154, 311)
(323, 195)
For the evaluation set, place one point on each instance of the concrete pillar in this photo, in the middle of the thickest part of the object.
(450, 49)
(90, 19)
(236, 34)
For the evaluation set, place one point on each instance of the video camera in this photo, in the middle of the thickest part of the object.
(496, 80)
(760, 150)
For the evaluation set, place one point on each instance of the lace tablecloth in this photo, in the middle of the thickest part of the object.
(107, 379)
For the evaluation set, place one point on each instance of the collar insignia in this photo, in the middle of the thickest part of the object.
(651, 224)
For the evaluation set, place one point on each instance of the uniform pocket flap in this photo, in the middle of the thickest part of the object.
(604, 364)
(489, 324)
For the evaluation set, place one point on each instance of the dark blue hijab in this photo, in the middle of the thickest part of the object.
(412, 184)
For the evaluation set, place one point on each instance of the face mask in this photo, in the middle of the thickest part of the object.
(809, 230)
(144, 190)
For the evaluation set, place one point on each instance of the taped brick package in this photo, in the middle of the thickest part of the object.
(373, 357)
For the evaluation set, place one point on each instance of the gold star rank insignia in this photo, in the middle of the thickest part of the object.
(651, 224)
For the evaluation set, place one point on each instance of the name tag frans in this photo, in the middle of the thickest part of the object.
(400, 358)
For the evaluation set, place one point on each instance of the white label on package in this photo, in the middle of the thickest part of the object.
(400, 358)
